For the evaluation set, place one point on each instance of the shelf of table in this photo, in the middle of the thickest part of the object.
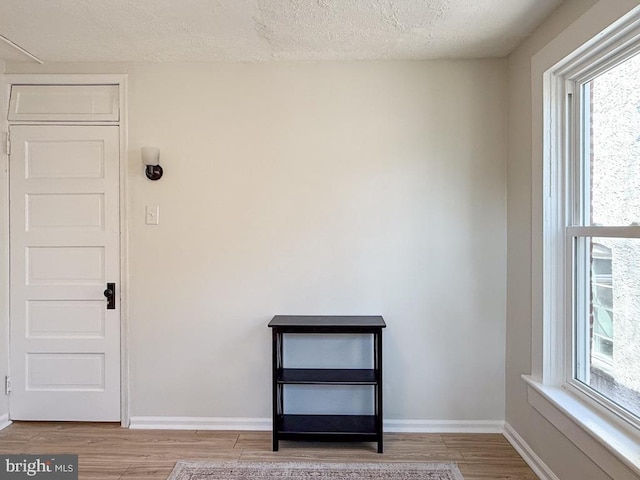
(356, 428)
(326, 376)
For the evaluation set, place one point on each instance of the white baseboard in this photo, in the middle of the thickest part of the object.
(443, 426)
(199, 423)
(4, 421)
(526, 452)
(264, 424)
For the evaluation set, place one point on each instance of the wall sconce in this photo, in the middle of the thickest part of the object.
(151, 160)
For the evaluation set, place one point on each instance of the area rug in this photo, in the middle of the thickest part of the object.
(314, 471)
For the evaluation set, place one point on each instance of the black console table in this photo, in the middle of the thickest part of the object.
(349, 428)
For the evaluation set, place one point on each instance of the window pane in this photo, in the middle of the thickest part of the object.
(611, 142)
(608, 318)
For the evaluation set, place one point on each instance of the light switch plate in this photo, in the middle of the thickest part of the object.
(152, 215)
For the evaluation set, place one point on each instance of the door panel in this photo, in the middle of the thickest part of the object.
(65, 318)
(64, 232)
(65, 371)
(80, 211)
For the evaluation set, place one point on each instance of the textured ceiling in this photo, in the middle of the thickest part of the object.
(265, 30)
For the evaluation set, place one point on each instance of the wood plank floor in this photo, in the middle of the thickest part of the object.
(109, 452)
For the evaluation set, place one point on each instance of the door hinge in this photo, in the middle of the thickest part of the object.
(8, 144)
(7, 385)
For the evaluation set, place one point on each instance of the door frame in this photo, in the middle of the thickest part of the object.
(5, 284)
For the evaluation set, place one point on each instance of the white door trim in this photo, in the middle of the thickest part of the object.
(76, 79)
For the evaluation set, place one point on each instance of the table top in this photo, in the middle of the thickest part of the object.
(331, 321)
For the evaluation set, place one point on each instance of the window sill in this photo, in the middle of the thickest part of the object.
(591, 431)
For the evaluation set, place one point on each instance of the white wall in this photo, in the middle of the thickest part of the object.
(336, 188)
(524, 234)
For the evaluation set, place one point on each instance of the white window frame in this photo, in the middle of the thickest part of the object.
(602, 430)
(575, 225)
(562, 178)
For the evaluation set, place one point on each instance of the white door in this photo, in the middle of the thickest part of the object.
(64, 234)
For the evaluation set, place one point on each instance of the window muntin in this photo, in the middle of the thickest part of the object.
(604, 229)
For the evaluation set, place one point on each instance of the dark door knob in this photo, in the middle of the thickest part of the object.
(110, 294)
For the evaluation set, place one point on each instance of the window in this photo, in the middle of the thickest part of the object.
(601, 232)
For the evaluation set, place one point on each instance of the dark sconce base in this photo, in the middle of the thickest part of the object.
(154, 172)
